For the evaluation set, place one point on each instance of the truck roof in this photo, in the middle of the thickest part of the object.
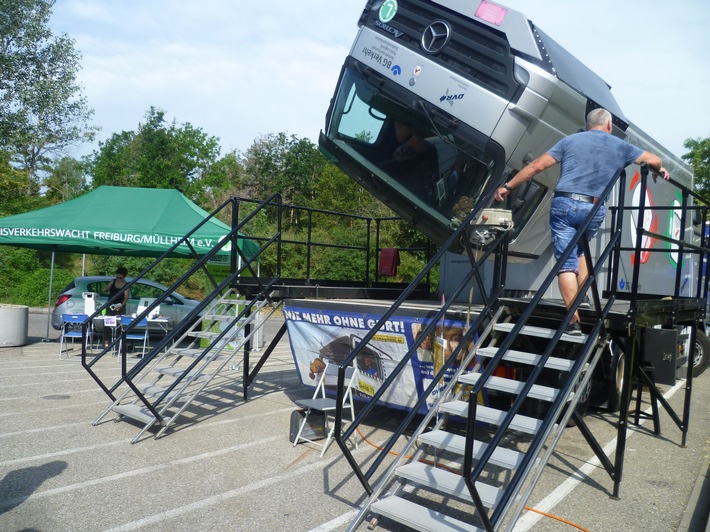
(528, 41)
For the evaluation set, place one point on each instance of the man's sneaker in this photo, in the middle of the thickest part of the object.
(585, 303)
(573, 329)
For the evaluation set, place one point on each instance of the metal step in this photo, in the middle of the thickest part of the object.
(218, 317)
(134, 411)
(230, 301)
(157, 391)
(194, 353)
(487, 414)
(205, 334)
(541, 332)
(172, 371)
(188, 352)
(537, 391)
(443, 481)
(418, 517)
(521, 357)
(454, 443)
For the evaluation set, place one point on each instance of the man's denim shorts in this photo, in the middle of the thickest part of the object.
(566, 215)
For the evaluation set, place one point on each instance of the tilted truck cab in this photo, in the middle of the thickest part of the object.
(438, 103)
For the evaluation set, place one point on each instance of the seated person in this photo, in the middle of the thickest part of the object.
(414, 162)
(410, 143)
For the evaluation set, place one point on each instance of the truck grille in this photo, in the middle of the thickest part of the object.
(475, 51)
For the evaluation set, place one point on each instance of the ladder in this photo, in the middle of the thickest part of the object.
(199, 363)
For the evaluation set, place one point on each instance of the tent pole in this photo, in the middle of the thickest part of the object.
(49, 298)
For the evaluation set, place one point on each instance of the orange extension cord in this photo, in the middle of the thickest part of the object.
(429, 462)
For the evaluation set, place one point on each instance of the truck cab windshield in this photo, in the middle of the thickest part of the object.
(422, 158)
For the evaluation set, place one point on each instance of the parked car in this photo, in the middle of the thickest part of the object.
(175, 307)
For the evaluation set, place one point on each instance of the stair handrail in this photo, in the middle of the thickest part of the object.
(470, 473)
(128, 376)
(342, 436)
(232, 237)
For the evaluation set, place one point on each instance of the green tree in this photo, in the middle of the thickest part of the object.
(699, 160)
(225, 178)
(15, 197)
(42, 108)
(66, 180)
(158, 155)
(338, 192)
(289, 165)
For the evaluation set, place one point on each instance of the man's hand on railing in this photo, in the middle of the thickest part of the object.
(660, 172)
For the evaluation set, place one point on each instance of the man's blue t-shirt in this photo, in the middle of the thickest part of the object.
(589, 160)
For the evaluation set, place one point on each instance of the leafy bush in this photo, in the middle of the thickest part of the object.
(33, 288)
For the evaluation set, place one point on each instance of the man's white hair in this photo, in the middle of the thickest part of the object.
(598, 117)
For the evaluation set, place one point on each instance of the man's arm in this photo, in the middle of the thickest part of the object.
(655, 164)
(526, 174)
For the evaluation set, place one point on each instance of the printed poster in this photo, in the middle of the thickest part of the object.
(321, 336)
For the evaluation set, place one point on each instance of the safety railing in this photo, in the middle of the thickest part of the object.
(497, 249)
(307, 234)
(240, 264)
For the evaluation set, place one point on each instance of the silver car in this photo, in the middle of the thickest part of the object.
(71, 299)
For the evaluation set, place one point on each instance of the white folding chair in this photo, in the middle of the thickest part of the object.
(71, 328)
(320, 404)
(138, 333)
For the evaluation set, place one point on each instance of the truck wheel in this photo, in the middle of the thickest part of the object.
(616, 380)
(583, 404)
(702, 353)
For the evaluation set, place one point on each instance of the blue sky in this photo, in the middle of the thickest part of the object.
(239, 70)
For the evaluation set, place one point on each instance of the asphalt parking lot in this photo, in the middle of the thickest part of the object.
(235, 468)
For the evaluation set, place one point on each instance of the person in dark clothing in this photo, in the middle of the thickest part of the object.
(118, 303)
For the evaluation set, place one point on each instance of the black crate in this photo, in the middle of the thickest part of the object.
(314, 429)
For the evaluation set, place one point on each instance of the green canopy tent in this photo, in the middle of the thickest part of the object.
(143, 222)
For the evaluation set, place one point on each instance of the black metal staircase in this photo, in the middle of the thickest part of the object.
(201, 354)
(499, 418)
(187, 370)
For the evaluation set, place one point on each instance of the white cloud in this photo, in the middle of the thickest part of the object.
(238, 70)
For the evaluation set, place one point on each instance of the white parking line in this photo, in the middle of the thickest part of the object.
(44, 383)
(128, 474)
(217, 499)
(530, 519)
(336, 523)
(34, 397)
(48, 456)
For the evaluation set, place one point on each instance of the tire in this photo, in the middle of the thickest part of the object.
(702, 353)
(616, 380)
(583, 404)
